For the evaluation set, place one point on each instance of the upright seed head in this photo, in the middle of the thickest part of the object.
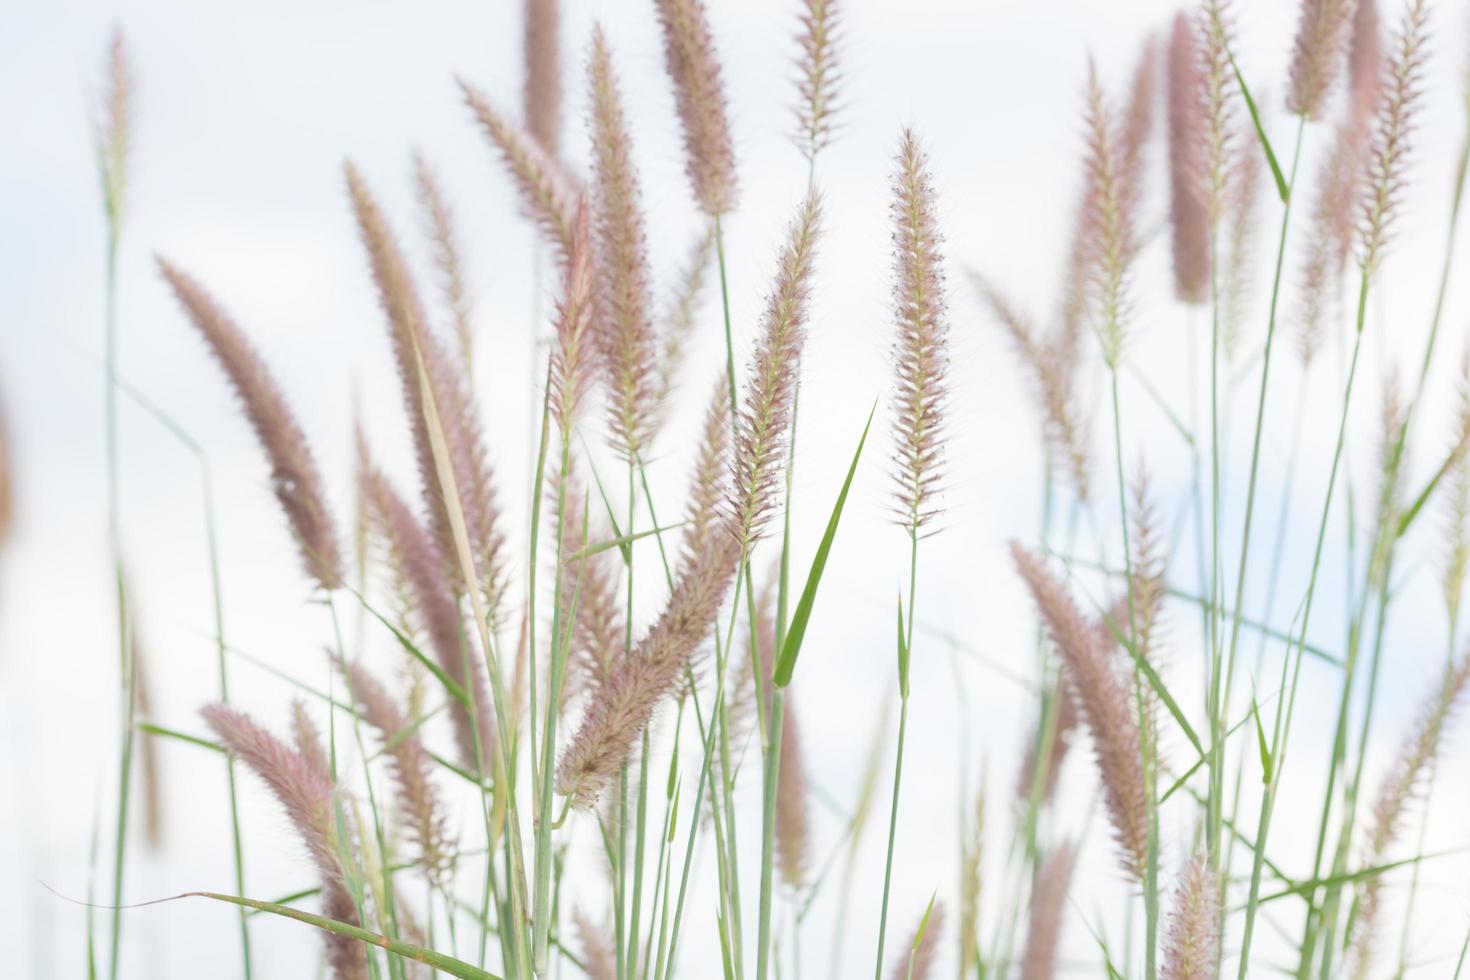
(541, 92)
(629, 355)
(921, 350)
(1245, 195)
(1188, 215)
(573, 359)
(1046, 913)
(294, 475)
(1398, 108)
(699, 94)
(703, 522)
(1192, 944)
(1110, 240)
(1321, 36)
(817, 75)
(444, 241)
(679, 320)
(116, 130)
(1218, 96)
(765, 416)
(1365, 64)
(1457, 530)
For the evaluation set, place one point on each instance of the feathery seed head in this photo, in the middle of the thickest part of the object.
(1106, 707)
(1188, 215)
(1046, 914)
(1365, 64)
(439, 224)
(1138, 124)
(573, 357)
(541, 92)
(548, 193)
(628, 350)
(1398, 109)
(699, 94)
(620, 709)
(1218, 96)
(765, 416)
(1191, 946)
(430, 382)
(597, 955)
(707, 490)
(294, 475)
(921, 351)
(116, 131)
(1321, 36)
(679, 320)
(1244, 198)
(1110, 241)
(817, 75)
(305, 792)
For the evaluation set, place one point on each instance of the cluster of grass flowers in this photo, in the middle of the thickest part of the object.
(531, 683)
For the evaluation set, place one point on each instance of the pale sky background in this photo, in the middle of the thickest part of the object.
(244, 115)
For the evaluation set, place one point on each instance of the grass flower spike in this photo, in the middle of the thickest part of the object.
(699, 94)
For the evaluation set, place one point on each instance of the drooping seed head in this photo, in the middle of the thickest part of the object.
(294, 475)
(548, 193)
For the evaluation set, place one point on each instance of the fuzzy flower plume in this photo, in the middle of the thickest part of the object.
(699, 95)
(1245, 194)
(1106, 706)
(294, 475)
(1192, 943)
(916, 962)
(1189, 221)
(115, 131)
(573, 359)
(623, 707)
(1138, 123)
(418, 797)
(1457, 502)
(629, 353)
(703, 521)
(308, 739)
(921, 350)
(1046, 913)
(430, 379)
(541, 94)
(448, 262)
(817, 76)
(305, 792)
(422, 567)
(1398, 109)
(597, 636)
(1217, 97)
(1321, 36)
(765, 417)
(597, 955)
(1416, 757)
(1111, 241)
(1065, 426)
(548, 193)
(1365, 63)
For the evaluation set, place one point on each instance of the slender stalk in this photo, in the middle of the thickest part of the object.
(903, 717)
(768, 827)
(1282, 725)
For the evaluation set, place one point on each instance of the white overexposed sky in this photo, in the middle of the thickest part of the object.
(244, 114)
